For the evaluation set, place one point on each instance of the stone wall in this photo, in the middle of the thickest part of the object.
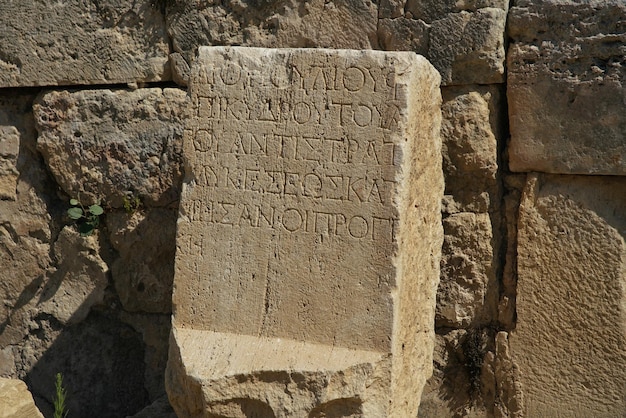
(530, 310)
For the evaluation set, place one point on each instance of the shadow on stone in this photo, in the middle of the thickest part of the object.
(102, 365)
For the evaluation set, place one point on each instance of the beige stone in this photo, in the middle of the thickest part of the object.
(286, 24)
(309, 234)
(16, 401)
(464, 42)
(144, 271)
(79, 280)
(9, 149)
(104, 145)
(25, 231)
(468, 291)
(566, 87)
(570, 339)
(61, 43)
(468, 47)
(471, 129)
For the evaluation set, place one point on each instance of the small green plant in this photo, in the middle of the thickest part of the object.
(132, 204)
(60, 409)
(86, 219)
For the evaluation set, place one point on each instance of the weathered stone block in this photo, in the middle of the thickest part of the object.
(566, 87)
(285, 24)
(103, 145)
(472, 127)
(570, 339)
(93, 42)
(25, 230)
(16, 401)
(9, 150)
(144, 271)
(79, 280)
(309, 234)
(468, 291)
(468, 47)
(463, 41)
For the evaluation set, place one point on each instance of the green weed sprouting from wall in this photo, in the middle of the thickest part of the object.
(86, 219)
(132, 204)
(60, 408)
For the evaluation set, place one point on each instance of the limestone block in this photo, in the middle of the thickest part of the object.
(144, 272)
(566, 87)
(463, 40)
(570, 339)
(431, 10)
(309, 234)
(284, 24)
(79, 280)
(103, 144)
(9, 149)
(25, 230)
(16, 401)
(94, 42)
(468, 291)
(471, 129)
(468, 47)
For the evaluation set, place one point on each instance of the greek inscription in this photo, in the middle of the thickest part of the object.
(346, 150)
(324, 135)
(289, 219)
(344, 112)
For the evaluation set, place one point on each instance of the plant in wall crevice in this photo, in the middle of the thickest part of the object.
(87, 219)
(60, 408)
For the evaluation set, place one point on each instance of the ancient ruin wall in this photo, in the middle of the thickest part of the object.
(92, 107)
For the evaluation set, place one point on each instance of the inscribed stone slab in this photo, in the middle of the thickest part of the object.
(310, 213)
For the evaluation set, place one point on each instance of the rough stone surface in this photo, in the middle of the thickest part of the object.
(104, 145)
(463, 40)
(25, 224)
(514, 184)
(432, 10)
(508, 397)
(471, 129)
(92, 42)
(9, 149)
(79, 280)
(110, 386)
(468, 47)
(275, 23)
(309, 234)
(468, 291)
(155, 330)
(566, 87)
(160, 408)
(16, 401)
(144, 271)
(453, 389)
(570, 339)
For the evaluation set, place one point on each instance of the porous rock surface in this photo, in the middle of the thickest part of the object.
(570, 339)
(463, 40)
(104, 146)
(49, 43)
(468, 291)
(16, 401)
(274, 23)
(566, 87)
